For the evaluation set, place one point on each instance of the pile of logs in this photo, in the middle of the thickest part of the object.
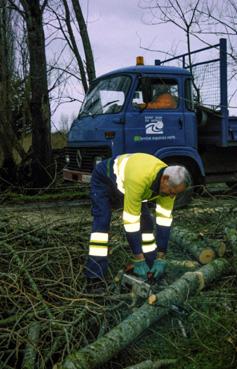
(202, 249)
(205, 251)
(102, 350)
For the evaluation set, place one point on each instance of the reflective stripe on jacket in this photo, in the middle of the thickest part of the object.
(135, 174)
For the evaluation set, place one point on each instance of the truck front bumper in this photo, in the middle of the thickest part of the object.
(76, 176)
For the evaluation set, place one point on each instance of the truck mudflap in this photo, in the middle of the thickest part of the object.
(76, 176)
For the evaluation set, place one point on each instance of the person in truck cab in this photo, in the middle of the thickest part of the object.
(163, 101)
(134, 179)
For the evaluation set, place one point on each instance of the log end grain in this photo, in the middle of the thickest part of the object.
(152, 299)
(206, 256)
(221, 249)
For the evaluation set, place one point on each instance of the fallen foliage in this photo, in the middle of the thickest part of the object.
(46, 311)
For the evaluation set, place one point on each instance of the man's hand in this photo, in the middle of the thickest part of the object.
(140, 268)
(158, 268)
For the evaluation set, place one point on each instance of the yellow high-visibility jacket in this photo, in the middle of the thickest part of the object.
(135, 174)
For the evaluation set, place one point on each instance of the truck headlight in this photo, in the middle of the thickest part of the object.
(97, 160)
(67, 159)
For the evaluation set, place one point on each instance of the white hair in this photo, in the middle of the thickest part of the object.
(177, 175)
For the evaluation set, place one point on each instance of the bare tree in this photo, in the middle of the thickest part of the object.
(9, 87)
(32, 11)
(220, 21)
(73, 27)
(37, 83)
(202, 20)
(173, 12)
(90, 66)
(73, 45)
(63, 124)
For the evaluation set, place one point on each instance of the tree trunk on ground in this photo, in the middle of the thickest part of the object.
(148, 364)
(40, 108)
(189, 264)
(203, 250)
(126, 332)
(231, 235)
(31, 347)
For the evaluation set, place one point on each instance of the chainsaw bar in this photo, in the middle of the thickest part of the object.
(138, 286)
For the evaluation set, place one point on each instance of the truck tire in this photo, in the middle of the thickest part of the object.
(183, 199)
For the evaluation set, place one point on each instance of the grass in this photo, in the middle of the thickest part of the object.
(59, 140)
(75, 193)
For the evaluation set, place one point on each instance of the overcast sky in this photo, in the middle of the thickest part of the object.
(119, 30)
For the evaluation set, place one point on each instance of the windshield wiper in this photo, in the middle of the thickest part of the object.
(104, 106)
(109, 103)
(86, 111)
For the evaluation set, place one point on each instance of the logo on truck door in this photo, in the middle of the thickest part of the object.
(154, 126)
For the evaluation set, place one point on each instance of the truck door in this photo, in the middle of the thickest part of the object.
(155, 116)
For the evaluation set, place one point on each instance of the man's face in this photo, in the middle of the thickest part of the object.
(167, 190)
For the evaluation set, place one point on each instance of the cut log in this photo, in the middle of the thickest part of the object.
(218, 246)
(102, 350)
(189, 264)
(203, 250)
(148, 364)
(231, 235)
(31, 347)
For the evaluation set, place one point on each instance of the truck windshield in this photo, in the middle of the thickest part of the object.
(107, 96)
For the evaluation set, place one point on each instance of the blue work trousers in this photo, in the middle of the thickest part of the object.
(104, 197)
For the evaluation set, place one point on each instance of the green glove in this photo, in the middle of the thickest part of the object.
(158, 268)
(140, 268)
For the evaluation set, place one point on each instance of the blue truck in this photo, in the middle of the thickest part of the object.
(123, 112)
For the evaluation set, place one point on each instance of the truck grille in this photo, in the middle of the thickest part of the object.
(83, 158)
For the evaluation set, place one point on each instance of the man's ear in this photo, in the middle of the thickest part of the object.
(165, 178)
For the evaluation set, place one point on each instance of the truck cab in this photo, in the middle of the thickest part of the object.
(136, 109)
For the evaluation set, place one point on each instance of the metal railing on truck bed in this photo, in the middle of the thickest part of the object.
(210, 84)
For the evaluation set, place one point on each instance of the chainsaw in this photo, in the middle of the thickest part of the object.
(139, 287)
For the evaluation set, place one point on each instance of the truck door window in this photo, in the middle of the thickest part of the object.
(156, 93)
(107, 96)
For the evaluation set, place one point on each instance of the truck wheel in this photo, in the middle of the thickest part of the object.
(183, 199)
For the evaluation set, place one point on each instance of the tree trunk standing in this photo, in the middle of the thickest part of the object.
(102, 350)
(4, 86)
(73, 46)
(39, 105)
(8, 139)
(90, 66)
